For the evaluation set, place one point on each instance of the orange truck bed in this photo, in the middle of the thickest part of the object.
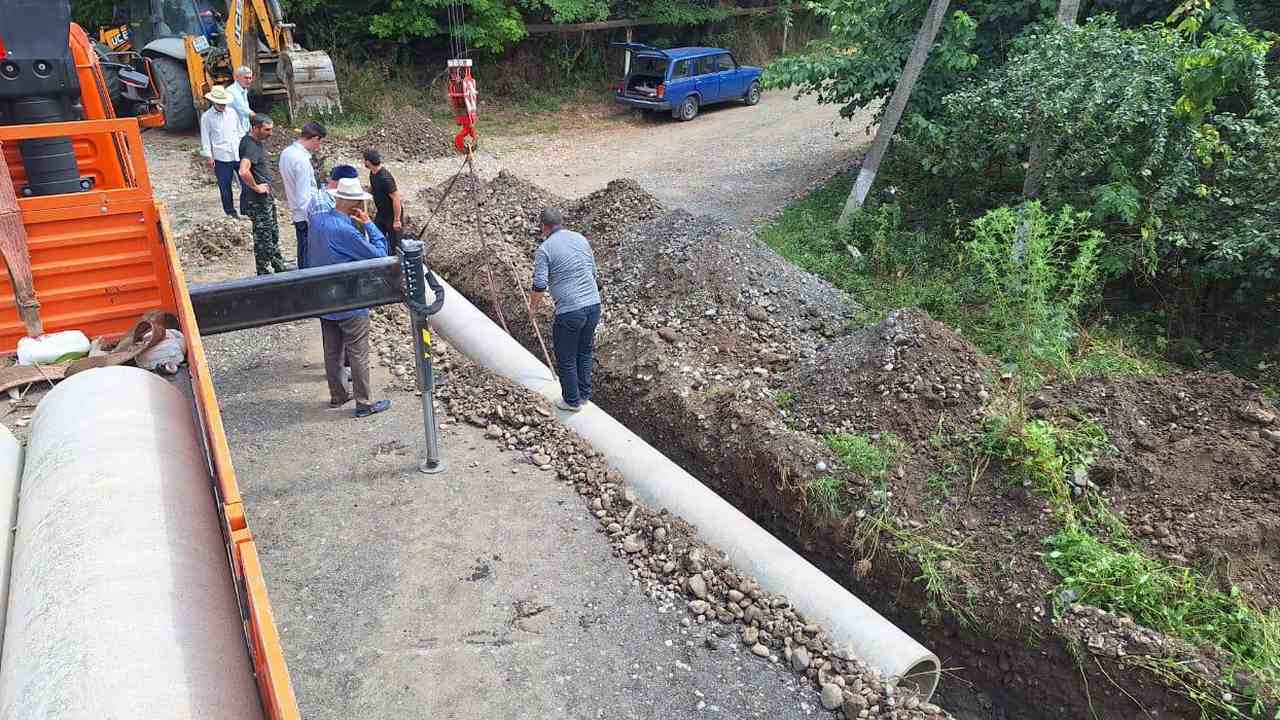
(101, 259)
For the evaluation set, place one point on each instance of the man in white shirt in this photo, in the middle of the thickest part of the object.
(239, 91)
(239, 106)
(220, 143)
(300, 181)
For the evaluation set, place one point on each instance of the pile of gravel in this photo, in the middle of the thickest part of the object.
(405, 133)
(214, 239)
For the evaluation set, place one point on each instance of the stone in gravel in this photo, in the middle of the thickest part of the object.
(760, 651)
(832, 696)
(1273, 436)
(632, 544)
(614, 528)
(698, 586)
(735, 596)
(750, 636)
(698, 607)
(854, 703)
(668, 334)
(799, 659)
(493, 432)
(660, 534)
(477, 421)
(541, 460)
(757, 313)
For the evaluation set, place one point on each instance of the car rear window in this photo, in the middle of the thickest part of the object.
(681, 70)
(657, 67)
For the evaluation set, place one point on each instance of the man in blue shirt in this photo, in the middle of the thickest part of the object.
(346, 234)
(565, 265)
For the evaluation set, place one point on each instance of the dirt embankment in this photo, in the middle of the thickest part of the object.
(737, 365)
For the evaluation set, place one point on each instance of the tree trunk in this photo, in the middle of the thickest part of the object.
(1068, 11)
(897, 104)
(13, 249)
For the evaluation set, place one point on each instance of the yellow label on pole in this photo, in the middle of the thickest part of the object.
(426, 337)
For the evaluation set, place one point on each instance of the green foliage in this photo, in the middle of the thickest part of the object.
(1164, 598)
(92, 14)
(1043, 455)
(785, 399)
(860, 61)
(868, 457)
(1037, 270)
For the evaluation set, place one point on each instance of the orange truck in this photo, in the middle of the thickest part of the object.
(83, 236)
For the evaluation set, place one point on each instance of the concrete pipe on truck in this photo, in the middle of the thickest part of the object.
(10, 479)
(661, 483)
(120, 601)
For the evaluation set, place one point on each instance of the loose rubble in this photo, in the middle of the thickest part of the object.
(402, 134)
(214, 239)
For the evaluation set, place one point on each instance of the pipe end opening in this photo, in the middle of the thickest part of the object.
(921, 679)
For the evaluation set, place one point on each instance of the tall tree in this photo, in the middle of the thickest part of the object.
(1068, 11)
(897, 104)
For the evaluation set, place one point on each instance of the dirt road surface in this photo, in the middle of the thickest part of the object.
(733, 162)
(485, 592)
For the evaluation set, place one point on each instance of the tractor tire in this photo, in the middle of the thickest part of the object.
(115, 88)
(175, 93)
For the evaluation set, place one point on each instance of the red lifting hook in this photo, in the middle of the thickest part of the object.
(463, 97)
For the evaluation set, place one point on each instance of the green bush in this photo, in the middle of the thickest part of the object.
(1037, 270)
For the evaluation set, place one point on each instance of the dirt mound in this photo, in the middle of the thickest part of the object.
(900, 375)
(403, 134)
(605, 213)
(1195, 472)
(214, 239)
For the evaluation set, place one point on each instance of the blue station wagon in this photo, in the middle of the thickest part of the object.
(683, 80)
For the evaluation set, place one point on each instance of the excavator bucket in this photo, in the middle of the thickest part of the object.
(311, 82)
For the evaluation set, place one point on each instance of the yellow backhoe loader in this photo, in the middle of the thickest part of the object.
(185, 47)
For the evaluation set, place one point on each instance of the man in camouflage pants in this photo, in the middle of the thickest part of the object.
(255, 171)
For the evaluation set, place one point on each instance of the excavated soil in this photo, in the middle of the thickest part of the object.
(405, 134)
(213, 239)
(736, 364)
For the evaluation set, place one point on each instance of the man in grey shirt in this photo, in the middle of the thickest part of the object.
(565, 265)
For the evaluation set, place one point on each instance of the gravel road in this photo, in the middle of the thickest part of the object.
(736, 163)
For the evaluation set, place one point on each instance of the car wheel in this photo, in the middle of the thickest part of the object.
(688, 109)
(753, 95)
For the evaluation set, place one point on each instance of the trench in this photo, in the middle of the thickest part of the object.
(1005, 671)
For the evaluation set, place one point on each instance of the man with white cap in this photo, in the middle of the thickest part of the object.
(220, 144)
(346, 234)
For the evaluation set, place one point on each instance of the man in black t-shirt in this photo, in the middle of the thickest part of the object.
(386, 198)
(259, 204)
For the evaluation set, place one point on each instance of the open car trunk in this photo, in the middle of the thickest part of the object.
(647, 73)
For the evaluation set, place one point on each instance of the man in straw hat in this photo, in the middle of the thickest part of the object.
(346, 234)
(220, 144)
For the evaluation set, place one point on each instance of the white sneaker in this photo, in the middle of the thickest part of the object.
(560, 403)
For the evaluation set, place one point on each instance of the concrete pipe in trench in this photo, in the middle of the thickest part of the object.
(663, 484)
(121, 602)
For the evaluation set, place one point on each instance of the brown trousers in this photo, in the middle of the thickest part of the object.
(350, 339)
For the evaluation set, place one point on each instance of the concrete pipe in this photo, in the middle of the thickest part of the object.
(10, 479)
(121, 602)
(663, 484)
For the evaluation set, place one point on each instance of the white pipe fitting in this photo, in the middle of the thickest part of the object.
(661, 483)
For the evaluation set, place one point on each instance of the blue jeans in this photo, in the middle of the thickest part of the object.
(225, 171)
(574, 338)
(300, 232)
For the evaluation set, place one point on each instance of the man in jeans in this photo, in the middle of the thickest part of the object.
(220, 144)
(346, 234)
(565, 265)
